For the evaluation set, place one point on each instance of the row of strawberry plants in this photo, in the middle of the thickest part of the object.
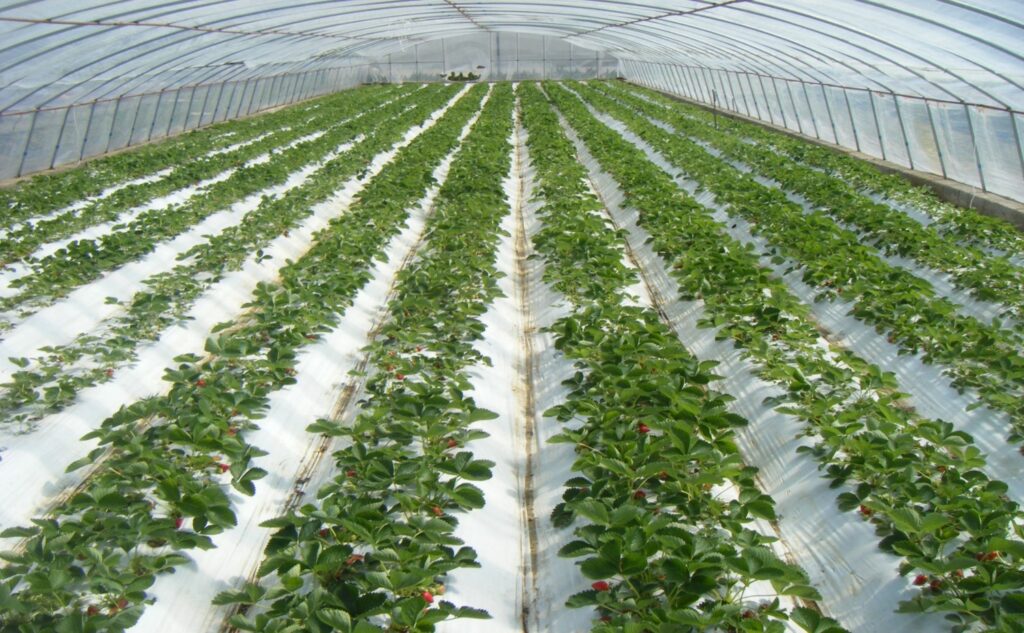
(964, 224)
(22, 242)
(653, 441)
(372, 552)
(161, 465)
(977, 356)
(47, 193)
(83, 261)
(918, 481)
(986, 277)
(48, 383)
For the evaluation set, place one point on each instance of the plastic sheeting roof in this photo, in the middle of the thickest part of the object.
(58, 52)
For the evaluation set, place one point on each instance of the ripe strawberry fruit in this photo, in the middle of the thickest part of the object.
(178, 522)
(920, 580)
(663, 475)
(200, 383)
(748, 614)
(353, 559)
(429, 597)
(866, 511)
(936, 585)
(452, 443)
(232, 431)
(324, 533)
(606, 618)
(639, 494)
(110, 373)
(224, 467)
(643, 428)
(600, 585)
(122, 603)
(399, 376)
(350, 473)
(437, 511)
(992, 556)
(92, 610)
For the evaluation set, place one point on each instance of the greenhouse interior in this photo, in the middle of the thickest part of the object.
(486, 316)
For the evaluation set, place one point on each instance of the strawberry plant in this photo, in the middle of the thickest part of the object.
(396, 503)
(965, 224)
(82, 261)
(916, 480)
(986, 277)
(653, 441)
(47, 193)
(156, 489)
(49, 383)
(981, 357)
(21, 242)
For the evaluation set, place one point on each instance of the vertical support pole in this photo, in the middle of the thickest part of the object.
(56, 143)
(88, 129)
(977, 152)
(28, 142)
(767, 101)
(174, 110)
(113, 124)
(853, 121)
(831, 118)
(903, 130)
(202, 108)
(60, 135)
(796, 110)
(1016, 137)
(156, 111)
(188, 109)
(135, 119)
(810, 108)
(935, 135)
(753, 96)
(782, 108)
(216, 106)
(878, 127)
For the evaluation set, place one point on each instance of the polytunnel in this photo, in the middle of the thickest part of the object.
(486, 316)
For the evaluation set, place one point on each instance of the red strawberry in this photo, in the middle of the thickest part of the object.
(232, 431)
(748, 614)
(324, 533)
(663, 475)
(866, 511)
(399, 376)
(353, 559)
(936, 585)
(452, 443)
(920, 580)
(350, 473)
(110, 373)
(429, 597)
(92, 610)
(437, 511)
(958, 573)
(200, 383)
(606, 618)
(600, 585)
(419, 348)
(992, 556)
(122, 603)
(643, 428)
(178, 522)
(224, 467)
(639, 494)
